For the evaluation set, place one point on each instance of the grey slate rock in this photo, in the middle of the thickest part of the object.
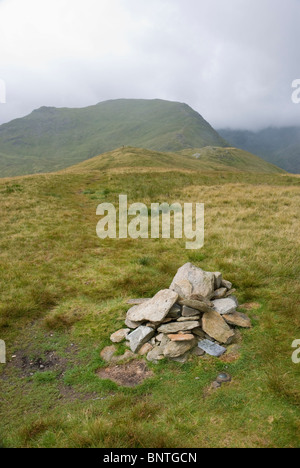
(226, 306)
(213, 349)
(139, 337)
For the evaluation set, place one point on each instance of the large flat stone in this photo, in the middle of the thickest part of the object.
(238, 319)
(175, 349)
(216, 327)
(190, 280)
(225, 306)
(178, 327)
(139, 337)
(154, 310)
(213, 349)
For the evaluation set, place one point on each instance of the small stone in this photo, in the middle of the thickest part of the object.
(175, 312)
(238, 319)
(154, 310)
(189, 312)
(42, 367)
(199, 332)
(156, 354)
(159, 337)
(219, 293)
(215, 326)
(230, 293)
(215, 385)
(181, 337)
(226, 306)
(139, 337)
(223, 378)
(189, 319)
(198, 352)
(181, 359)
(226, 284)
(145, 349)
(213, 349)
(178, 326)
(151, 325)
(175, 349)
(120, 335)
(165, 340)
(218, 280)
(107, 353)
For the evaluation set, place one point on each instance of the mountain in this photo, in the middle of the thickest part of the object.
(280, 146)
(204, 159)
(50, 139)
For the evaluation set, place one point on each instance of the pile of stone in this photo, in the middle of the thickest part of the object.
(197, 314)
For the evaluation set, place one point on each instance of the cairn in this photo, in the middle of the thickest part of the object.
(197, 314)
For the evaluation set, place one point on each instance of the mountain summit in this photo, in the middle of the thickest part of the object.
(50, 139)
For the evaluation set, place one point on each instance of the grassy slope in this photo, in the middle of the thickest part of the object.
(212, 159)
(280, 146)
(50, 139)
(63, 291)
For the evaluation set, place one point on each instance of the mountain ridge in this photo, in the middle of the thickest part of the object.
(50, 139)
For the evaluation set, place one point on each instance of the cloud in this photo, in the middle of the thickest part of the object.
(234, 61)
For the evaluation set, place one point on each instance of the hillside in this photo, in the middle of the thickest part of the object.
(203, 159)
(279, 146)
(64, 291)
(50, 139)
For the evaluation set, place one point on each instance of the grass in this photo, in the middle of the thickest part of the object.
(63, 292)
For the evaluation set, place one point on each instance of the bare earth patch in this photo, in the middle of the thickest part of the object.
(28, 366)
(127, 375)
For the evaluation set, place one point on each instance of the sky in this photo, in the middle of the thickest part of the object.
(233, 61)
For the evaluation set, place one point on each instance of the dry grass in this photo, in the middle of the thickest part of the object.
(62, 286)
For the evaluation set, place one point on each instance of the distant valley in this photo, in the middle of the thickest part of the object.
(279, 146)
